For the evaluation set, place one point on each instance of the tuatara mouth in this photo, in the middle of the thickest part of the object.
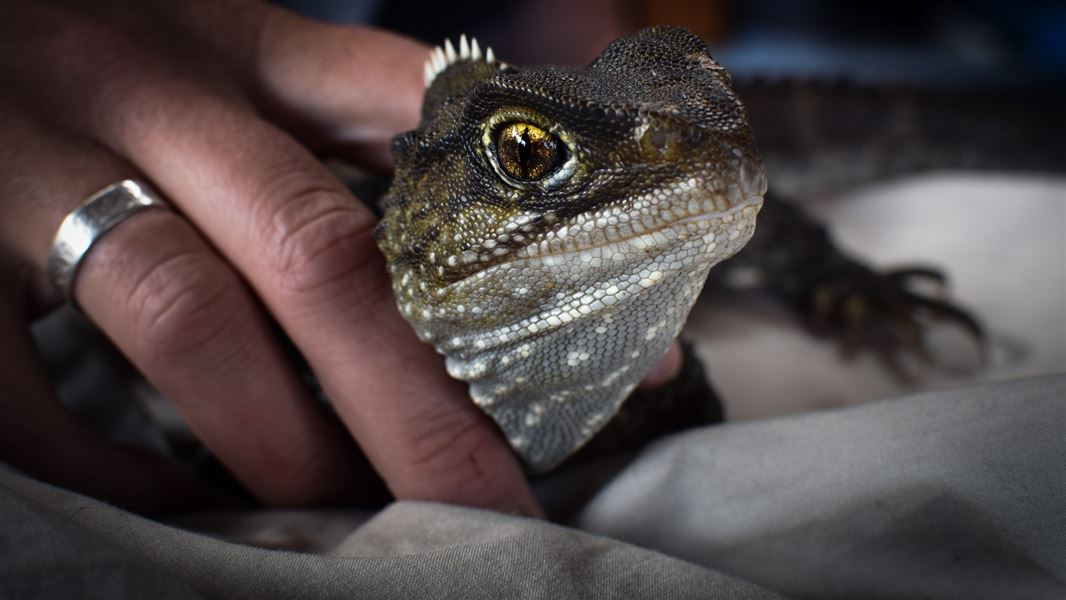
(636, 222)
(647, 233)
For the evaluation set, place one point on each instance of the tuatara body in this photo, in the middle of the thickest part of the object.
(548, 229)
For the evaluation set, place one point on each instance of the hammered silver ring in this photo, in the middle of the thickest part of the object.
(85, 225)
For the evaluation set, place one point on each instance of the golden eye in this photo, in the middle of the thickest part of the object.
(527, 152)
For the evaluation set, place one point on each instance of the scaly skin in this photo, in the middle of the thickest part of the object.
(552, 281)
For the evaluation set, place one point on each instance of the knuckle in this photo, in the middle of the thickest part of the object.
(300, 484)
(454, 451)
(184, 302)
(318, 239)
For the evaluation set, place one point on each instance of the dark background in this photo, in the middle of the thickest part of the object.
(920, 42)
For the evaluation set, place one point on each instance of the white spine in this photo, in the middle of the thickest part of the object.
(464, 47)
(443, 56)
(449, 51)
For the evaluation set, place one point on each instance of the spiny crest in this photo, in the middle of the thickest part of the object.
(441, 57)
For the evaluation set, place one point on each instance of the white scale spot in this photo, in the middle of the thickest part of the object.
(482, 399)
(575, 358)
(613, 377)
(651, 279)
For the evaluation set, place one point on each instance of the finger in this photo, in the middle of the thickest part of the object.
(39, 437)
(668, 367)
(321, 275)
(189, 324)
(351, 97)
(336, 88)
(306, 247)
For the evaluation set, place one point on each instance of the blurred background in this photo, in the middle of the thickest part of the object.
(937, 41)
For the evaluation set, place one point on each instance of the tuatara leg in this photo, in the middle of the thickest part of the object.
(793, 258)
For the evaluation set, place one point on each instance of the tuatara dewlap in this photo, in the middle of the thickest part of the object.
(548, 229)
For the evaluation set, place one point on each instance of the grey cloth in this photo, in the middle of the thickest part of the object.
(953, 494)
(956, 494)
(57, 544)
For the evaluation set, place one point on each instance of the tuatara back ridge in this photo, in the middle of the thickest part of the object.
(549, 228)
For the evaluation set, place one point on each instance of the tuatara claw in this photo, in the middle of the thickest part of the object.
(904, 276)
(959, 316)
(883, 312)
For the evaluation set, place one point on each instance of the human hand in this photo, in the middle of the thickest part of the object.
(216, 104)
(222, 106)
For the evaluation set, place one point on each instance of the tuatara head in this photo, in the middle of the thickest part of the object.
(549, 228)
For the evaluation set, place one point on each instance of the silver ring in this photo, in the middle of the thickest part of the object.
(85, 225)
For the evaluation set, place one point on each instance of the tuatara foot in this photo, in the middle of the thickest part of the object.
(889, 313)
(793, 258)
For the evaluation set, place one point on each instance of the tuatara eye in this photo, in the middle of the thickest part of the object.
(527, 152)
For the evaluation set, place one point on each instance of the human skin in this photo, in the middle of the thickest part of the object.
(224, 108)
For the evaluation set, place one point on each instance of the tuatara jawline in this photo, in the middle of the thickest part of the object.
(549, 228)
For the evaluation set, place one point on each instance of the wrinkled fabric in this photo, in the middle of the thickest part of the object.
(57, 544)
(957, 494)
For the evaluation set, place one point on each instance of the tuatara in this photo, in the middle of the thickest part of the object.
(548, 229)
